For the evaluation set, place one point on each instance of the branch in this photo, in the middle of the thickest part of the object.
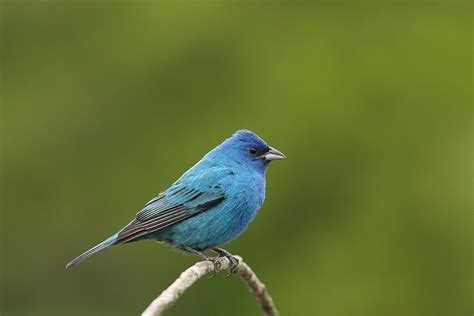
(169, 296)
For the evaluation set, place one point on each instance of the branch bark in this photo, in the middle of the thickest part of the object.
(169, 296)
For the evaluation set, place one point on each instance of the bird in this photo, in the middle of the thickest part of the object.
(209, 205)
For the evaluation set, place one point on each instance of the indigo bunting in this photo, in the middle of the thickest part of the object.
(209, 205)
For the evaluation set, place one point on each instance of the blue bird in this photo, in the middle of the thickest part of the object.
(209, 205)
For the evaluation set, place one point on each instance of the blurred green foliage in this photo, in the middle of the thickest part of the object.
(106, 103)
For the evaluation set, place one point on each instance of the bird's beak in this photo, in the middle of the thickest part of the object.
(273, 154)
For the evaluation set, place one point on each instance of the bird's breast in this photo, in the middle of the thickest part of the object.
(245, 198)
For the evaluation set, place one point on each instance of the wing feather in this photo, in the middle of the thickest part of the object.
(170, 207)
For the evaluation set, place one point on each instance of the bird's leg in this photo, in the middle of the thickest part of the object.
(197, 253)
(233, 261)
(217, 264)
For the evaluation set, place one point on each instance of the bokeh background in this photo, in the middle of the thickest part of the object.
(105, 103)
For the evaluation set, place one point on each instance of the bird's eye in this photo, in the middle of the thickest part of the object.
(252, 151)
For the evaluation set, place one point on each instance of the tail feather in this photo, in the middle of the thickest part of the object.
(106, 243)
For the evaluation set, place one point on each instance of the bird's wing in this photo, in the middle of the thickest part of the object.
(177, 203)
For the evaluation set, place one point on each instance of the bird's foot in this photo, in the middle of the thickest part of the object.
(214, 260)
(233, 261)
(216, 263)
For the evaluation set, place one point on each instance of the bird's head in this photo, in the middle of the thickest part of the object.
(246, 148)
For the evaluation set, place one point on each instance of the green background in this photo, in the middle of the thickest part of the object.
(105, 103)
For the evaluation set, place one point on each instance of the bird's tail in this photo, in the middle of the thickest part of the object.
(106, 243)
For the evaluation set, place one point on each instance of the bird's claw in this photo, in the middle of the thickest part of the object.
(217, 266)
(233, 261)
(233, 264)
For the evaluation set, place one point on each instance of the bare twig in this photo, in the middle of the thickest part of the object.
(169, 296)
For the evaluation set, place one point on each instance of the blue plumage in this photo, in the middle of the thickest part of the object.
(209, 205)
